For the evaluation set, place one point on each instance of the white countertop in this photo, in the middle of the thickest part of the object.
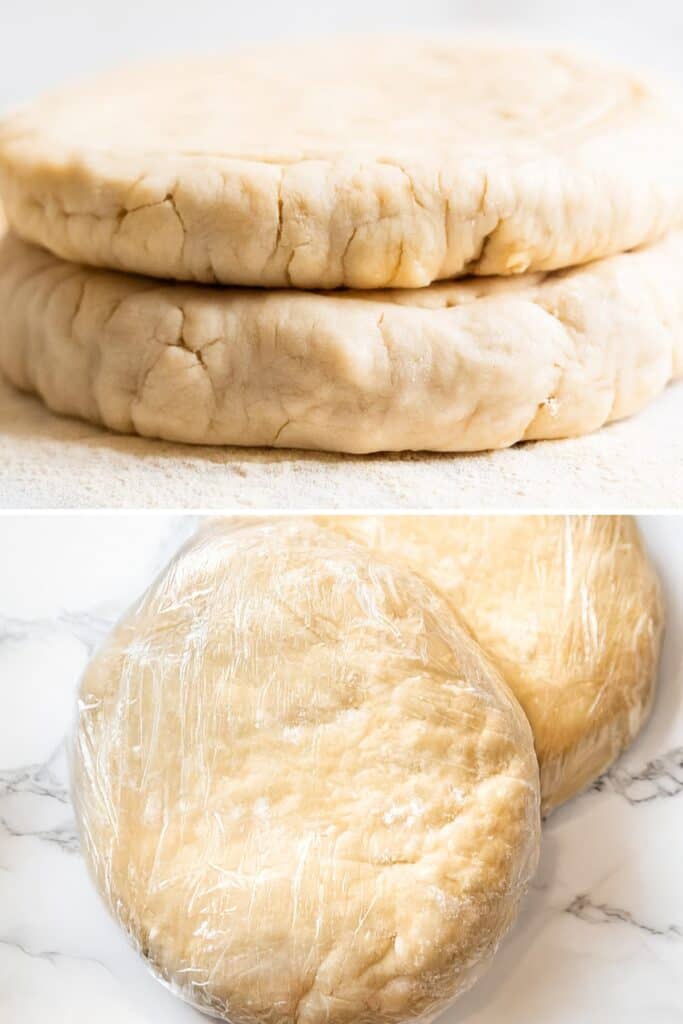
(600, 938)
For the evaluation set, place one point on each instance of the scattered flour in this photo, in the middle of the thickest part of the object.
(51, 462)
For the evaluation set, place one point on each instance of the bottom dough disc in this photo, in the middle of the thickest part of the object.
(453, 367)
(569, 607)
(301, 787)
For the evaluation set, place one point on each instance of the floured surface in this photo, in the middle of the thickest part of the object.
(301, 788)
(48, 461)
(461, 366)
(361, 162)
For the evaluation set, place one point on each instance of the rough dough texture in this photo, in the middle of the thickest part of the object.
(569, 607)
(369, 163)
(455, 367)
(302, 789)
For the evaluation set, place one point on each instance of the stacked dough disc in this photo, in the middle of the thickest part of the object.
(332, 194)
(305, 790)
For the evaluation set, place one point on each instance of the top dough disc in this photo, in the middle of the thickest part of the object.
(304, 791)
(366, 163)
(569, 608)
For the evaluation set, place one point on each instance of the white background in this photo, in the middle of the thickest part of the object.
(600, 936)
(46, 42)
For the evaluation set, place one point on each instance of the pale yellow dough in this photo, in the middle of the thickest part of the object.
(370, 163)
(569, 607)
(301, 788)
(454, 367)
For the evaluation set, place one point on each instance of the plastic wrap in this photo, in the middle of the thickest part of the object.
(302, 789)
(569, 607)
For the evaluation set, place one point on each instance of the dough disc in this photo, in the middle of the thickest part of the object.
(454, 367)
(369, 163)
(569, 608)
(302, 789)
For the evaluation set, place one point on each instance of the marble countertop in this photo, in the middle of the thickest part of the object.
(600, 937)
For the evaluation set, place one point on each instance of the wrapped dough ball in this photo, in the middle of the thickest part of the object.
(569, 607)
(302, 789)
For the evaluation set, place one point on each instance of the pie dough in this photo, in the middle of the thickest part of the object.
(368, 163)
(569, 607)
(455, 367)
(304, 792)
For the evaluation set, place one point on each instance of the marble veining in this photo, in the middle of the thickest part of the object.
(64, 835)
(600, 936)
(38, 779)
(660, 778)
(600, 913)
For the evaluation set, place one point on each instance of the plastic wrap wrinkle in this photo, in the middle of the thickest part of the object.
(303, 791)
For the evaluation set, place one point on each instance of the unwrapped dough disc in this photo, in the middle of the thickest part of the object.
(454, 367)
(369, 163)
(569, 607)
(304, 792)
